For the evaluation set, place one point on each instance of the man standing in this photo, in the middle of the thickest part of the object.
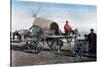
(67, 28)
(92, 41)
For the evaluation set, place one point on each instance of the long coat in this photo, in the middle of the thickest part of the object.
(92, 42)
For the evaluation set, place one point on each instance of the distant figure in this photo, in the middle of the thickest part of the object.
(67, 28)
(91, 37)
(80, 49)
(25, 34)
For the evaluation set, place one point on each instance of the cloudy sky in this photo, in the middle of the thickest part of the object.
(82, 17)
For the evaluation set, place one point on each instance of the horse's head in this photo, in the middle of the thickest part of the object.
(76, 33)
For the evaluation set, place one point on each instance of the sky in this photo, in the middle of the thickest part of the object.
(82, 17)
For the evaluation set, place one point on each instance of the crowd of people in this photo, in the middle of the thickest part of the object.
(91, 37)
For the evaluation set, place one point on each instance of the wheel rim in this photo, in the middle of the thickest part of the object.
(36, 34)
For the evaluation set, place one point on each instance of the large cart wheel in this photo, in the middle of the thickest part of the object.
(36, 39)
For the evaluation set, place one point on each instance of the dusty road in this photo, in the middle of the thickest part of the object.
(20, 56)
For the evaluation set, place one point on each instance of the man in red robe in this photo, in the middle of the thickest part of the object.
(67, 28)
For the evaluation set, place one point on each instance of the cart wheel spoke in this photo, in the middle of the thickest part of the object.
(52, 44)
(49, 44)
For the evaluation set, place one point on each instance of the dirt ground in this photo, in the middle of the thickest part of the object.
(22, 57)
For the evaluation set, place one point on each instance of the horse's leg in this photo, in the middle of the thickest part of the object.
(73, 50)
(20, 37)
(58, 47)
(24, 37)
(17, 37)
(13, 37)
(72, 46)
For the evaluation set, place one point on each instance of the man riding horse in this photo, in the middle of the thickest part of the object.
(67, 28)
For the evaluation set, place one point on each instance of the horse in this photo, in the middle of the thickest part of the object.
(24, 34)
(21, 34)
(16, 33)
